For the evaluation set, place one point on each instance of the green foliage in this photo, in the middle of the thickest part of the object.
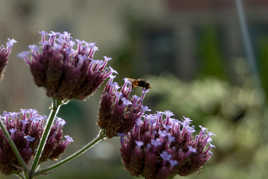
(232, 113)
(210, 53)
(202, 99)
(263, 63)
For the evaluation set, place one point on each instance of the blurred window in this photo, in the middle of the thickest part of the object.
(159, 50)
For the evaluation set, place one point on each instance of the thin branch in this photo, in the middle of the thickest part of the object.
(56, 104)
(91, 144)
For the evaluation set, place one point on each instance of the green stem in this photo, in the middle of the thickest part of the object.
(26, 175)
(13, 146)
(56, 104)
(91, 144)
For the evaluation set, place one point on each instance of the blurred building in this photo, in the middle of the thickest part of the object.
(185, 37)
(189, 37)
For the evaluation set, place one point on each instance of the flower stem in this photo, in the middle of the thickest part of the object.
(13, 146)
(100, 137)
(56, 104)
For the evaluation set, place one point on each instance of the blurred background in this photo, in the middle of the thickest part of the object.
(190, 51)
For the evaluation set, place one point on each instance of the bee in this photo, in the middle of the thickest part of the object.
(139, 83)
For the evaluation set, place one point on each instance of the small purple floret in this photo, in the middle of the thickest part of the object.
(29, 138)
(165, 156)
(65, 67)
(139, 143)
(25, 128)
(4, 53)
(68, 139)
(169, 150)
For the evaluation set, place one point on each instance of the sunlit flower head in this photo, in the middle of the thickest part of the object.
(65, 67)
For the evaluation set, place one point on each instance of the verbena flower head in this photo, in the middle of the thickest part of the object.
(65, 67)
(159, 147)
(25, 128)
(4, 53)
(119, 110)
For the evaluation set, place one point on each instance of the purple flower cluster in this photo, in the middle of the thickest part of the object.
(25, 128)
(66, 67)
(4, 53)
(159, 147)
(118, 109)
(156, 146)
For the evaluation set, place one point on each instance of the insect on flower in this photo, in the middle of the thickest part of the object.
(139, 83)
